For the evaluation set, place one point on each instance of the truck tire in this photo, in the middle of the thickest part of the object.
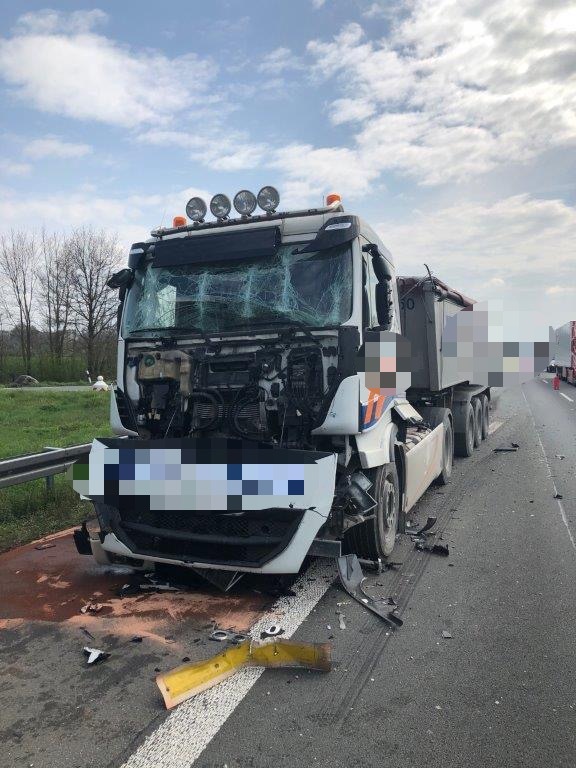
(477, 405)
(375, 538)
(464, 441)
(447, 452)
(485, 416)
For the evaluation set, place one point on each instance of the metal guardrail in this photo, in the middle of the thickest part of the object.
(52, 461)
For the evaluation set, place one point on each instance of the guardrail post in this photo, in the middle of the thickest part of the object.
(50, 478)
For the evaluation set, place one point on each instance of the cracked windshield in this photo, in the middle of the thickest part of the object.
(310, 288)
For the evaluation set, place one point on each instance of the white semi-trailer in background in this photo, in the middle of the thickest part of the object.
(250, 430)
(563, 351)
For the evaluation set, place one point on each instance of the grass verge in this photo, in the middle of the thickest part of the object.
(30, 421)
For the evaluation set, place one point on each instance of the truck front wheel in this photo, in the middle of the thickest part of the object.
(375, 538)
(447, 452)
(464, 441)
(477, 405)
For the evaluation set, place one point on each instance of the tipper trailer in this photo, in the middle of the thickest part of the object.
(564, 351)
(249, 429)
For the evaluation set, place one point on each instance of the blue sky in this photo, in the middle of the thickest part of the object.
(450, 125)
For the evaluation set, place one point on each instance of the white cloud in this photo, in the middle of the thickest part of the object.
(457, 88)
(558, 290)
(318, 3)
(10, 168)
(214, 147)
(48, 21)
(132, 217)
(516, 237)
(54, 147)
(56, 64)
(279, 60)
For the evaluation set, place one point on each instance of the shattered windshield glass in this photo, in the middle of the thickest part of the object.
(310, 288)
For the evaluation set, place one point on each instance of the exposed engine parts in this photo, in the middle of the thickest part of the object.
(275, 393)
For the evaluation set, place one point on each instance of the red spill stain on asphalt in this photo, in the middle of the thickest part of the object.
(53, 584)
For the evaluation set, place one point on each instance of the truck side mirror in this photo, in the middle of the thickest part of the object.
(121, 279)
(383, 304)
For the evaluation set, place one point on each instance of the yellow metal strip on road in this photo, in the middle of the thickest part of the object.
(190, 679)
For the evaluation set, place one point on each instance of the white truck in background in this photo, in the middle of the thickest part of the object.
(247, 435)
(563, 351)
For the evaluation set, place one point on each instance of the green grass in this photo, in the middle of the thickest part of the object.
(30, 421)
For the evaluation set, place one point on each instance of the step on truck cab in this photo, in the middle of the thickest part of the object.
(260, 409)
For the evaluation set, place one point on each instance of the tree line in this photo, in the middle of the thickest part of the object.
(55, 305)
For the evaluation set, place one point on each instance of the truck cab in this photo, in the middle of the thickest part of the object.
(250, 432)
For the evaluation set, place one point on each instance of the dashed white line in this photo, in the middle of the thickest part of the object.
(558, 501)
(188, 730)
(566, 396)
(544, 381)
(494, 426)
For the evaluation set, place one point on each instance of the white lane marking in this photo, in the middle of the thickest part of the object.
(494, 426)
(558, 501)
(544, 381)
(566, 396)
(189, 728)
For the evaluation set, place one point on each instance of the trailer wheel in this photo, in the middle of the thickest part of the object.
(477, 405)
(485, 416)
(447, 453)
(376, 537)
(464, 441)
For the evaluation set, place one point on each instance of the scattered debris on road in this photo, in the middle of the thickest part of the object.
(435, 549)
(560, 456)
(505, 450)
(189, 679)
(341, 619)
(44, 546)
(272, 631)
(91, 608)
(95, 655)
(87, 633)
(446, 635)
(430, 523)
(228, 636)
(558, 496)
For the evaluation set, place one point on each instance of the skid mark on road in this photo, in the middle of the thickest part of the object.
(188, 730)
(558, 501)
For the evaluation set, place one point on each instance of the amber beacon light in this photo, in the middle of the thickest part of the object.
(334, 198)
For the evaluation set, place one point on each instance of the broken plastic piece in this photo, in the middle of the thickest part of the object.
(91, 608)
(95, 655)
(351, 578)
(189, 679)
(505, 450)
(446, 635)
(341, 620)
(430, 523)
(435, 549)
(558, 496)
(44, 546)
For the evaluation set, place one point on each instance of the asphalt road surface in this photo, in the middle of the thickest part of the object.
(501, 691)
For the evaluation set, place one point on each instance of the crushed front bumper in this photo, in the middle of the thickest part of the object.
(210, 503)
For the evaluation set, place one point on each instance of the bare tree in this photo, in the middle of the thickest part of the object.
(18, 261)
(94, 255)
(55, 278)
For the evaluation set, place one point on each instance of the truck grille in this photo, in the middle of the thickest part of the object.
(249, 538)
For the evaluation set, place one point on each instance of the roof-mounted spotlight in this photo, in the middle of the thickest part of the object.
(196, 209)
(245, 202)
(268, 199)
(220, 206)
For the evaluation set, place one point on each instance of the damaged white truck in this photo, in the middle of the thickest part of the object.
(262, 405)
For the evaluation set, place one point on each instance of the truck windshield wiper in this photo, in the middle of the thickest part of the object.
(289, 322)
(169, 329)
